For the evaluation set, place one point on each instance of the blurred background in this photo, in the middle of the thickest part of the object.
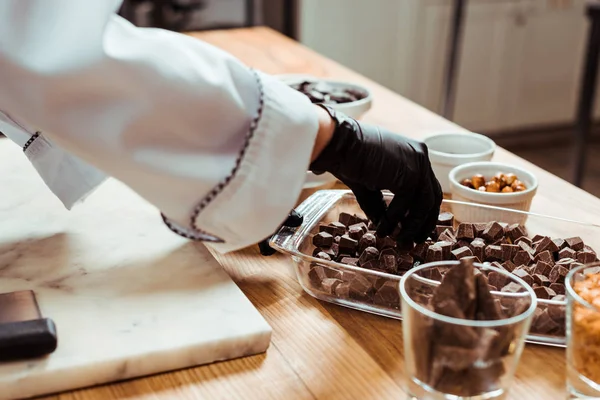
(518, 63)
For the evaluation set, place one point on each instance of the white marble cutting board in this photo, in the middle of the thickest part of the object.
(129, 298)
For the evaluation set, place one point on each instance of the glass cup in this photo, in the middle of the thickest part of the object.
(583, 332)
(454, 358)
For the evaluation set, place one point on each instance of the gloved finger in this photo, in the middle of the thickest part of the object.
(395, 213)
(370, 201)
(423, 216)
(265, 249)
(293, 220)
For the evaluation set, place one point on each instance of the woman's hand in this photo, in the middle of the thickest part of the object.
(369, 159)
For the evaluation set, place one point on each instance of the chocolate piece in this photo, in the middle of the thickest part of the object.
(370, 253)
(537, 238)
(462, 252)
(371, 264)
(558, 274)
(329, 285)
(515, 231)
(343, 290)
(523, 274)
(560, 243)
(565, 262)
(435, 275)
(546, 244)
(509, 266)
(339, 228)
(316, 275)
(347, 245)
(346, 219)
(493, 253)
(541, 280)
(543, 292)
(367, 240)
(336, 239)
(585, 257)
(446, 219)
(478, 248)
(544, 324)
(447, 236)
(434, 253)
(493, 231)
(525, 240)
(385, 242)
(388, 295)
(388, 263)
(557, 313)
(465, 231)
(522, 258)
(360, 287)
(487, 308)
(588, 249)
(419, 251)
(497, 279)
(405, 262)
(333, 273)
(567, 252)
(479, 228)
(438, 230)
(560, 297)
(355, 232)
(327, 228)
(512, 287)
(446, 249)
(575, 243)
(323, 256)
(527, 248)
(542, 268)
(458, 286)
(322, 239)
(509, 251)
(545, 256)
(349, 261)
(558, 288)
(387, 251)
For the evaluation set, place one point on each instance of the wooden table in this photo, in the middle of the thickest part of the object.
(320, 350)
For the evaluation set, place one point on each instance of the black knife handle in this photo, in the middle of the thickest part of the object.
(27, 339)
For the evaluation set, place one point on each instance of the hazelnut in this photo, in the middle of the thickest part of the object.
(520, 188)
(467, 182)
(507, 189)
(516, 183)
(492, 186)
(482, 189)
(500, 179)
(510, 178)
(478, 181)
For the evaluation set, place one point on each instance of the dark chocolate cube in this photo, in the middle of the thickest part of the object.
(523, 274)
(447, 236)
(446, 249)
(567, 252)
(370, 253)
(462, 252)
(524, 239)
(560, 243)
(558, 274)
(347, 245)
(361, 225)
(537, 238)
(478, 248)
(515, 231)
(493, 253)
(389, 264)
(546, 244)
(316, 275)
(343, 290)
(346, 219)
(542, 292)
(585, 257)
(349, 261)
(509, 265)
(493, 231)
(575, 243)
(558, 288)
(524, 246)
(545, 256)
(329, 285)
(438, 230)
(339, 228)
(405, 262)
(446, 219)
(387, 295)
(323, 239)
(523, 258)
(385, 242)
(367, 240)
(509, 251)
(542, 268)
(541, 280)
(360, 287)
(355, 232)
(465, 231)
(434, 253)
(419, 251)
(479, 228)
(327, 228)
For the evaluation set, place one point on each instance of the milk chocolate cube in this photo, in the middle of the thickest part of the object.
(545, 256)
(523, 274)
(347, 245)
(567, 252)
(515, 231)
(465, 231)
(367, 240)
(524, 239)
(493, 231)
(349, 261)
(419, 252)
(478, 248)
(323, 239)
(462, 252)
(542, 292)
(329, 285)
(493, 253)
(546, 244)
(558, 288)
(541, 280)
(509, 251)
(339, 228)
(434, 253)
(446, 219)
(542, 268)
(522, 258)
(558, 274)
(575, 243)
(585, 257)
(446, 249)
(370, 253)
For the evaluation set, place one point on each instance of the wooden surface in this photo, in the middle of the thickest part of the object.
(320, 350)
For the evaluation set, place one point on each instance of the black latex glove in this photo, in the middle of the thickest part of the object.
(369, 159)
(293, 220)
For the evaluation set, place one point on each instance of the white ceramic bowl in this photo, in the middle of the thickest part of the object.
(516, 200)
(354, 109)
(449, 149)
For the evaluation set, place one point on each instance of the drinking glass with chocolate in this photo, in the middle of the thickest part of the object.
(462, 338)
(583, 331)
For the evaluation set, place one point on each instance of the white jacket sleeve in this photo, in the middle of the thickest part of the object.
(221, 150)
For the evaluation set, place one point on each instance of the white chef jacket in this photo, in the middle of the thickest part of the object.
(220, 149)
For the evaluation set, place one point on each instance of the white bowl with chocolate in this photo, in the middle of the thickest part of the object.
(494, 184)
